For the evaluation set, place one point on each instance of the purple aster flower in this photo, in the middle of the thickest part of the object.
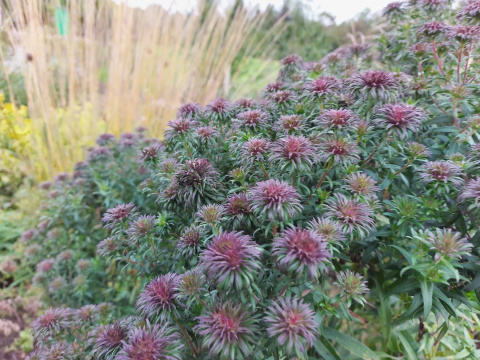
(361, 184)
(159, 297)
(341, 118)
(193, 175)
(447, 243)
(54, 194)
(295, 150)
(288, 123)
(274, 87)
(58, 351)
(82, 265)
(105, 139)
(151, 342)
(232, 259)
(416, 150)
(400, 117)
(127, 143)
(354, 216)
(109, 340)
(32, 250)
(168, 166)
(298, 250)
(275, 200)
(61, 177)
(65, 255)
(340, 150)
(28, 235)
(433, 5)
(141, 227)
(43, 225)
(237, 206)
(107, 246)
(189, 243)
(322, 86)
(99, 153)
(52, 322)
(45, 185)
(228, 331)
(464, 33)
(378, 84)
(255, 149)
(282, 96)
(292, 59)
(191, 283)
(206, 133)
(420, 49)
(441, 172)
(245, 104)
(188, 110)
(149, 153)
(432, 28)
(56, 284)
(211, 214)
(118, 214)
(471, 12)
(470, 191)
(36, 354)
(220, 108)
(86, 314)
(292, 323)
(179, 127)
(329, 229)
(352, 285)
(45, 265)
(251, 119)
(394, 9)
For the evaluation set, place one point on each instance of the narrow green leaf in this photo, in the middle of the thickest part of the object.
(427, 294)
(349, 343)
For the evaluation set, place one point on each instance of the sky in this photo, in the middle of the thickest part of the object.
(341, 9)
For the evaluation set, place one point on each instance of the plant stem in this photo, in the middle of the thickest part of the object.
(264, 170)
(376, 149)
(153, 248)
(320, 182)
(437, 60)
(404, 167)
(187, 337)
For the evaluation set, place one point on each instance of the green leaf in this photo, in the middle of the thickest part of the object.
(427, 294)
(408, 344)
(349, 343)
(325, 349)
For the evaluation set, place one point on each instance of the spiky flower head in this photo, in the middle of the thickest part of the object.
(420, 49)
(292, 59)
(471, 12)
(219, 108)
(296, 151)
(45, 265)
(141, 227)
(432, 28)
(416, 150)
(118, 214)
(151, 342)
(399, 117)
(56, 284)
(149, 153)
(189, 243)
(289, 123)
(377, 84)
(352, 285)
(52, 322)
(255, 149)
(282, 96)
(191, 283)
(83, 264)
(107, 246)
(60, 350)
(298, 250)
(292, 323)
(159, 297)
(62, 177)
(228, 331)
(45, 185)
(32, 250)
(353, 215)
(179, 127)
(238, 205)
(361, 184)
(394, 10)
(65, 255)
(245, 104)
(211, 214)
(109, 340)
(168, 166)
(441, 172)
(339, 150)
(275, 199)
(321, 86)
(274, 87)
(329, 229)
(99, 153)
(464, 33)
(28, 235)
(433, 5)
(188, 110)
(251, 119)
(86, 314)
(232, 259)
(105, 139)
(447, 243)
(471, 191)
(206, 133)
(342, 118)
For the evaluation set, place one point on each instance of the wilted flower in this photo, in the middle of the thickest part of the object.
(219, 107)
(45, 265)
(105, 139)
(107, 246)
(295, 150)
(298, 249)
(191, 283)
(151, 342)
(351, 214)
(441, 171)
(341, 118)
(292, 323)
(206, 133)
(329, 229)
(51, 322)
(416, 150)
(232, 259)
(322, 86)
(255, 149)
(179, 127)
(32, 250)
(188, 110)
(211, 214)
(288, 123)
(189, 243)
(378, 84)
(227, 330)
(109, 340)
(448, 243)
(464, 33)
(361, 184)
(275, 199)
(340, 150)
(159, 297)
(251, 119)
(352, 285)
(432, 28)
(141, 227)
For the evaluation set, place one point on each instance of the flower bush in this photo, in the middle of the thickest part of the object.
(333, 218)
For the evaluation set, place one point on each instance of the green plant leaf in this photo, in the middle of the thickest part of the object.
(349, 343)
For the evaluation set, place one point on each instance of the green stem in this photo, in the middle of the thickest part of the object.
(376, 149)
(264, 170)
(404, 167)
(187, 337)
(320, 182)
